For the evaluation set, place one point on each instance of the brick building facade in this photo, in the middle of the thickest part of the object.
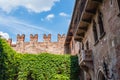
(36, 47)
(94, 35)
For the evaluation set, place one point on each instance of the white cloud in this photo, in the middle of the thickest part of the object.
(4, 35)
(36, 6)
(63, 14)
(50, 16)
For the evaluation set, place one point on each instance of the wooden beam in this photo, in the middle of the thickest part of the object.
(69, 37)
(92, 11)
(67, 42)
(70, 34)
(97, 1)
(78, 39)
(77, 36)
(81, 35)
(86, 20)
(84, 29)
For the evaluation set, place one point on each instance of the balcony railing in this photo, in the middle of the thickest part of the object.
(85, 58)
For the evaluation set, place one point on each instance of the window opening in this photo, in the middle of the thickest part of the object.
(95, 31)
(100, 22)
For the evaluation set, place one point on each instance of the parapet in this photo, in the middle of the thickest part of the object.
(47, 38)
(61, 37)
(20, 37)
(34, 37)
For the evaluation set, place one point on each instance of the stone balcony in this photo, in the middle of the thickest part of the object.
(85, 59)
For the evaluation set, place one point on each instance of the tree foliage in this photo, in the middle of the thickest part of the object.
(44, 66)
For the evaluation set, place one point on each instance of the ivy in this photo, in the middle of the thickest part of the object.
(43, 66)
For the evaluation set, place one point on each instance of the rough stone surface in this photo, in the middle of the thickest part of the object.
(35, 47)
(108, 47)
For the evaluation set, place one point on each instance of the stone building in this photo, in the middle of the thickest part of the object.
(36, 47)
(94, 35)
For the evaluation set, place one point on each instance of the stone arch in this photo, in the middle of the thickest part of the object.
(101, 76)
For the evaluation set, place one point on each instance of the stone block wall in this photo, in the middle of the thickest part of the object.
(108, 47)
(105, 64)
(35, 47)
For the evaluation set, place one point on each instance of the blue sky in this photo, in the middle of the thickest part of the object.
(35, 17)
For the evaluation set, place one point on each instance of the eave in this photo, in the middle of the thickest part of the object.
(70, 30)
(86, 18)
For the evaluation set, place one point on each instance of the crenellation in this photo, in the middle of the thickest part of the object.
(20, 37)
(34, 47)
(61, 38)
(47, 38)
(34, 37)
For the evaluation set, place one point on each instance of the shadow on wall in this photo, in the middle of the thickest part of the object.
(74, 68)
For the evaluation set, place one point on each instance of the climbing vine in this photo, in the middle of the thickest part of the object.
(44, 66)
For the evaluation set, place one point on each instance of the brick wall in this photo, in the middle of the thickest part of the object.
(36, 47)
(106, 52)
(108, 47)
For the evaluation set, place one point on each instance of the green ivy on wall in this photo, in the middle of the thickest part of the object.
(44, 66)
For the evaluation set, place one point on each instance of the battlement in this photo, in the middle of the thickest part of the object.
(47, 38)
(61, 37)
(20, 37)
(34, 38)
(33, 46)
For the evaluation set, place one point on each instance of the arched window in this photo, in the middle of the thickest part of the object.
(95, 31)
(100, 22)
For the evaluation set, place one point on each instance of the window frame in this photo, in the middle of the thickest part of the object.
(82, 46)
(101, 24)
(95, 34)
(87, 45)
